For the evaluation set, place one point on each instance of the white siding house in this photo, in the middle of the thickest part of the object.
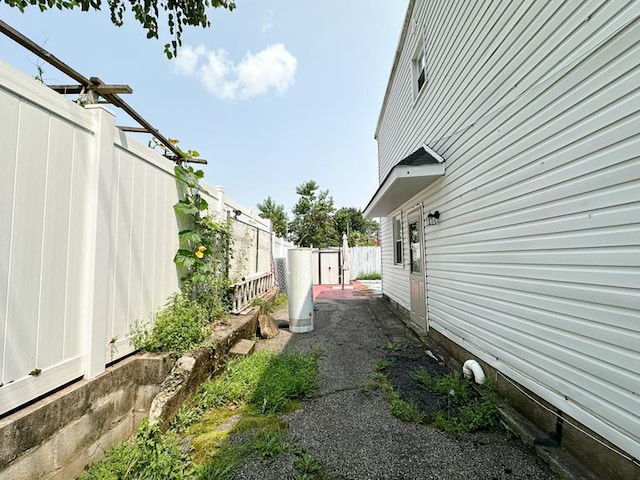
(519, 124)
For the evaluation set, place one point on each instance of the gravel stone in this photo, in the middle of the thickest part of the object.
(352, 433)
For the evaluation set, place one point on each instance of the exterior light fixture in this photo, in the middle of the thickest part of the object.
(432, 217)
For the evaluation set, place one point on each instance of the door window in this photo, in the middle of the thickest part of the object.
(415, 255)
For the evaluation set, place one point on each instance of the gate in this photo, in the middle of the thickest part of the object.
(326, 266)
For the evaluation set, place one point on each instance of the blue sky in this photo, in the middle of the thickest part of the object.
(273, 94)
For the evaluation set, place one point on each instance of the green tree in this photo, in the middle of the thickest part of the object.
(313, 217)
(268, 209)
(146, 12)
(360, 231)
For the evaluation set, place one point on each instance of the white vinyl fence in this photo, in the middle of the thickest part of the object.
(87, 238)
(364, 260)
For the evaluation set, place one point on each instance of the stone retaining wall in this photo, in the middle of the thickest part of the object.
(55, 438)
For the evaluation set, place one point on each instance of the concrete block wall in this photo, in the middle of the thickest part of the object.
(54, 438)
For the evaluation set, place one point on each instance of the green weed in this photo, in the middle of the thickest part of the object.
(465, 411)
(218, 469)
(241, 403)
(406, 411)
(382, 364)
(270, 307)
(152, 456)
(307, 467)
(370, 276)
(180, 326)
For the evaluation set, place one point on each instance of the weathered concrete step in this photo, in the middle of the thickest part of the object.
(243, 348)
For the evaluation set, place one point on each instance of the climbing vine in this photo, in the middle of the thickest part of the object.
(205, 245)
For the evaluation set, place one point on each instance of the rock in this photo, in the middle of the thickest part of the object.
(267, 327)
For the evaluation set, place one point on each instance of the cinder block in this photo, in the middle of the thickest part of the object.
(243, 348)
(72, 439)
(144, 396)
(34, 465)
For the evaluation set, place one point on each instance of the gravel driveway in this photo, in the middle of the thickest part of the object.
(352, 433)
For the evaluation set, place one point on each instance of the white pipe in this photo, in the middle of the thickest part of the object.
(472, 369)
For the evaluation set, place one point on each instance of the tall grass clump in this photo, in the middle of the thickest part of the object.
(182, 325)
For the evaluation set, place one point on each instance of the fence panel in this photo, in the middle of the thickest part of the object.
(43, 190)
(252, 249)
(280, 247)
(364, 260)
(144, 233)
(87, 238)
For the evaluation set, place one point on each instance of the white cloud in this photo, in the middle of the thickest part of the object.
(187, 59)
(273, 68)
(268, 22)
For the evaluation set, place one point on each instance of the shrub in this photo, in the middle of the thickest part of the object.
(369, 276)
(180, 326)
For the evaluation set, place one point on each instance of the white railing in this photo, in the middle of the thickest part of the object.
(253, 286)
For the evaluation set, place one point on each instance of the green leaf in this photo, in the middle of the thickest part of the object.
(189, 237)
(184, 258)
(203, 204)
(185, 208)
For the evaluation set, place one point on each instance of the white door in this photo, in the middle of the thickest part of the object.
(417, 274)
(329, 268)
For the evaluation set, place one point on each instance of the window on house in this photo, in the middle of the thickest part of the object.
(419, 68)
(397, 240)
(415, 260)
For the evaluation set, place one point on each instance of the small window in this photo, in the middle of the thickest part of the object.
(419, 69)
(397, 240)
(415, 257)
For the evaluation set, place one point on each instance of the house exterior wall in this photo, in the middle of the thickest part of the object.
(534, 265)
(395, 278)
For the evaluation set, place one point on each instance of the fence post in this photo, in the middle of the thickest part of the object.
(99, 172)
(217, 192)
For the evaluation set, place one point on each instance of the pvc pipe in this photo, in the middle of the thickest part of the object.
(472, 369)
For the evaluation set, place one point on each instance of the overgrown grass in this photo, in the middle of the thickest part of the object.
(271, 307)
(405, 411)
(152, 456)
(266, 380)
(369, 276)
(465, 410)
(182, 325)
(233, 417)
(256, 388)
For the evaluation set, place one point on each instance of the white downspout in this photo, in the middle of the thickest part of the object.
(472, 369)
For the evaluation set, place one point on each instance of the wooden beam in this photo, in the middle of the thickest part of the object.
(125, 128)
(42, 53)
(92, 85)
(173, 158)
(100, 89)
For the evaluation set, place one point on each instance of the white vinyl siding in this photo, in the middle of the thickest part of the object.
(395, 278)
(534, 264)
